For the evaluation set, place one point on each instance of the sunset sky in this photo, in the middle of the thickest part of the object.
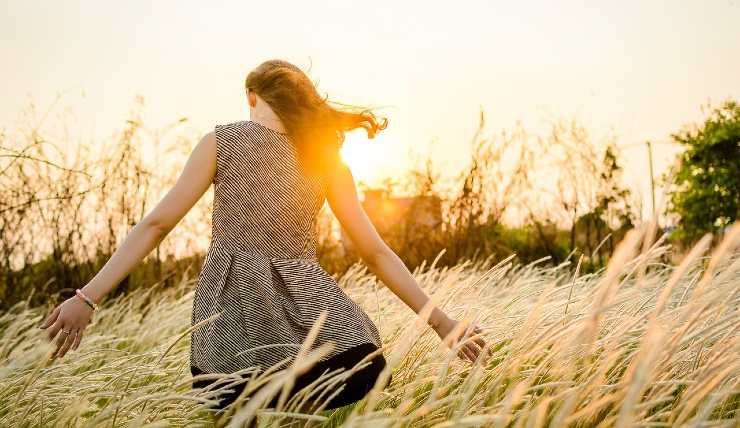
(637, 69)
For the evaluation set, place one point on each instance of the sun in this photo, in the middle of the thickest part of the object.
(363, 156)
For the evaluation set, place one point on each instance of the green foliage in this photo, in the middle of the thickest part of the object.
(707, 195)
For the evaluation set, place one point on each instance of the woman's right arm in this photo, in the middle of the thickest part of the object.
(383, 261)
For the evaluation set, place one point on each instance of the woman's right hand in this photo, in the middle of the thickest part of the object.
(472, 346)
(67, 321)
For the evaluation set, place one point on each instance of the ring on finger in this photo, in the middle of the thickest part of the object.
(65, 331)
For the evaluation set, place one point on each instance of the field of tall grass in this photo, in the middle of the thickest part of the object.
(639, 343)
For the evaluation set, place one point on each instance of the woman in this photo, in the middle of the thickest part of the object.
(260, 288)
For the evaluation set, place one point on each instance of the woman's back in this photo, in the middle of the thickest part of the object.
(260, 272)
(263, 202)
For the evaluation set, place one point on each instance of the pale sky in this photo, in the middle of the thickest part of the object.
(639, 69)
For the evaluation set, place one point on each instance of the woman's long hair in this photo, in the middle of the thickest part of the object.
(314, 126)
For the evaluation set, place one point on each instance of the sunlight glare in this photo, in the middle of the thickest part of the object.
(363, 156)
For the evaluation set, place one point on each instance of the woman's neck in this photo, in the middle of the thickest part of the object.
(265, 116)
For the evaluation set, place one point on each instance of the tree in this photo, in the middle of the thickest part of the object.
(706, 194)
(611, 214)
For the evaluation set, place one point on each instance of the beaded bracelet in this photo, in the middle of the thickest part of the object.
(86, 299)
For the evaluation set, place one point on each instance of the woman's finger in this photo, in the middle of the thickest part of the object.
(51, 318)
(479, 340)
(468, 353)
(475, 350)
(67, 343)
(478, 337)
(473, 353)
(461, 353)
(77, 341)
(60, 339)
(54, 329)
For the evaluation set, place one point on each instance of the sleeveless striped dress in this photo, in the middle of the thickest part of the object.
(261, 272)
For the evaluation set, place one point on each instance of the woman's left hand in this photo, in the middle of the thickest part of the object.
(67, 322)
(472, 347)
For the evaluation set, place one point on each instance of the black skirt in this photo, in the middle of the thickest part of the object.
(356, 386)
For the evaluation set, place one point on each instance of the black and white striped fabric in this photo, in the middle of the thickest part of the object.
(260, 271)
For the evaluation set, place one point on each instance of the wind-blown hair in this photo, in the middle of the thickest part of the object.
(315, 127)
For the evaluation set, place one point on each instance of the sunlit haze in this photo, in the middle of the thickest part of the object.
(639, 70)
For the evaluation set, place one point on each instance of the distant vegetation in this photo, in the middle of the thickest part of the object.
(557, 197)
(706, 195)
(66, 206)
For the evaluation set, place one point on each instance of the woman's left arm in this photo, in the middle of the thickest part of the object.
(72, 316)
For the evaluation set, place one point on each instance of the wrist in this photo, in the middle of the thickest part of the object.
(437, 318)
(89, 291)
(86, 299)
